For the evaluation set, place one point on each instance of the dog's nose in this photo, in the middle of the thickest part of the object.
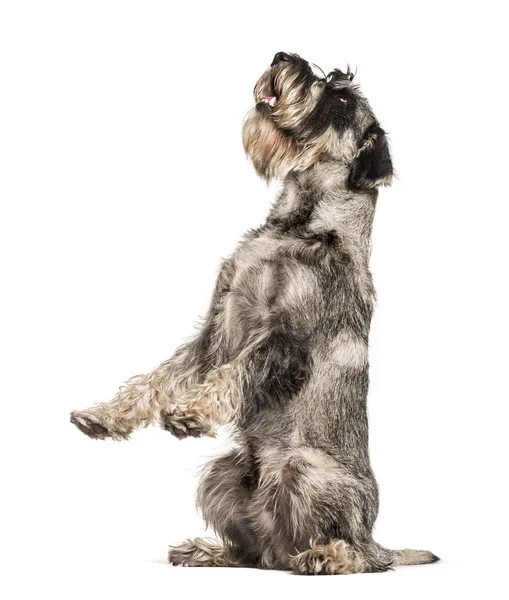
(280, 56)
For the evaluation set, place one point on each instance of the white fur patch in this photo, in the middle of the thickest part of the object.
(348, 351)
(301, 285)
(317, 458)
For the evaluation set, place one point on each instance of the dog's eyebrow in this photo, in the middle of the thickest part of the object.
(320, 69)
(339, 75)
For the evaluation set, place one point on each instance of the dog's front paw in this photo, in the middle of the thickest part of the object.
(89, 425)
(183, 425)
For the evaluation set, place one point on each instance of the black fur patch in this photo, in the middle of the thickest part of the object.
(336, 107)
(374, 164)
(277, 370)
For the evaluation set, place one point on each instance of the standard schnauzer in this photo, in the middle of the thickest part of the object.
(282, 354)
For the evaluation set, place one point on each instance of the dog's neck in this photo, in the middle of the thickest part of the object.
(319, 201)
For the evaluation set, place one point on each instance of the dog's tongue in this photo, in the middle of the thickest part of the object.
(271, 100)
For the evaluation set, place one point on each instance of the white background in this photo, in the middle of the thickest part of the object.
(123, 182)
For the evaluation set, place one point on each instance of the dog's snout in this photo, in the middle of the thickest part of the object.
(279, 57)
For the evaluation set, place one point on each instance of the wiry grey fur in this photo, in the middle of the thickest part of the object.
(283, 351)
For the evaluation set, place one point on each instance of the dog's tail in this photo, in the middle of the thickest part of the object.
(412, 557)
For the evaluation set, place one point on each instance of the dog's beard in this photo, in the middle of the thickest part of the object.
(273, 153)
(272, 134)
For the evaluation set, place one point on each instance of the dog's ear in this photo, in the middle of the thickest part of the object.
(372, 166)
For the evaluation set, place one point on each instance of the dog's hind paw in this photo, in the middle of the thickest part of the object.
(198, 553)
(334, 558)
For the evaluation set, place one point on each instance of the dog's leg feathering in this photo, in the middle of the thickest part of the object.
(132, 407)
(167, 389)
(201, 552)
(140, 399)
(218, 399)
(206, 405)
(335, 558)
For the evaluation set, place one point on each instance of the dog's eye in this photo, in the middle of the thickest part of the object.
(345, 100)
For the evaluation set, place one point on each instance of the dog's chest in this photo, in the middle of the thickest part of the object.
(289, 281)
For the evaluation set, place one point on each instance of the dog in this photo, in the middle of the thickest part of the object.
(282, 354)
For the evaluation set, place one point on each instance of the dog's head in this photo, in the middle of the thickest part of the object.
(301, 118)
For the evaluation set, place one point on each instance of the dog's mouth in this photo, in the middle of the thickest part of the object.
(270, 100)
(266, 95)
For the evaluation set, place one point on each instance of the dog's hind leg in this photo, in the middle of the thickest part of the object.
(314, 515)
(224, 496)
(334, 558)
(339, 557)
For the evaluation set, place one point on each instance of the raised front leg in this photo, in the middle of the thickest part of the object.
(170, 389)
(207, 405)
(140, 399)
